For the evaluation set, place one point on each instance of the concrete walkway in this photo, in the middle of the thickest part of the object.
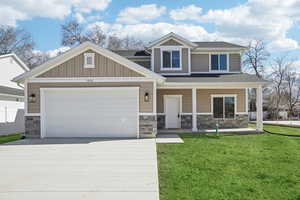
(84, 169)
(295, 124)
(169, 138)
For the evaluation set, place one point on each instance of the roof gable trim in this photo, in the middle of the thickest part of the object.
(173, 36)
(80, 49)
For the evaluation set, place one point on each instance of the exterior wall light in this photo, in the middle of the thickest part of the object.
(32, 98)
(146, 97)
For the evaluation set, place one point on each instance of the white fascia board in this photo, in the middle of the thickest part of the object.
(172, 36)
(90, 79)
(78, 50)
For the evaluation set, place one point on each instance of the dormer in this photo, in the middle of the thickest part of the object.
(171, 55)
(175, 55)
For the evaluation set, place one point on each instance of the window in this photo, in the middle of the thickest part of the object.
(89, 60)
(223, 107)
(219, 62)
(171, 59)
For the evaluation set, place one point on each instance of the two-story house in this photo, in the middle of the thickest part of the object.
(172, 84)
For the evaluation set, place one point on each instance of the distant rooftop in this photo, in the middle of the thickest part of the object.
(129, 53)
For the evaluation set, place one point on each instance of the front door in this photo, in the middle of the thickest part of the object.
(172, 109)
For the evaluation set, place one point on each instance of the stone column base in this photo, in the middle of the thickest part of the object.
(148, 126)
(32, 126)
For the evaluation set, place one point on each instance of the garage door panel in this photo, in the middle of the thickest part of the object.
(91, 113)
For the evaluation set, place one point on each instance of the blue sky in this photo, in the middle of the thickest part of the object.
(238, 21)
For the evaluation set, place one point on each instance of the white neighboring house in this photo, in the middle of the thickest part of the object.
(11, 94)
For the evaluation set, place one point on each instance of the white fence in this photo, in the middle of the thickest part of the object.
(18, 126)
(11, 117)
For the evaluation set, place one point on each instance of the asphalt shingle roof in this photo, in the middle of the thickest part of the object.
(217, 45)
(242, 77)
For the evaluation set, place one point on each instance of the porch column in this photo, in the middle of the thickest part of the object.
(194, 101)
(259, 109)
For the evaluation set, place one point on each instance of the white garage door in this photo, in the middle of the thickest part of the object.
(90, 112)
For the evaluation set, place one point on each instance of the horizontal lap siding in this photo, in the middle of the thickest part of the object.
(186, 99)
(34, 88)
(204, 99)
(235, 62)
(104, 67)
(200, 62)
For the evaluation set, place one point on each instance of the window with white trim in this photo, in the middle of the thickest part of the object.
(171, 59)
(89, 60)
(223, 107)
(219, 62)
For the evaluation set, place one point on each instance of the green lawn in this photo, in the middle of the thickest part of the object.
(258, 167)
(280, 129)
(10, 138)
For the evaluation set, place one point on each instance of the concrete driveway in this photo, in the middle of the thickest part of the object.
(79, 169)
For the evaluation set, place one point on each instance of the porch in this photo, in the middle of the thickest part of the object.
(202, 109)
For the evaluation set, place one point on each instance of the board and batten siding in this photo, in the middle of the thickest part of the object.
(34, 88)
(184, 62)
(186, 99)
(200, 62)
(204, 99)
(104, 67)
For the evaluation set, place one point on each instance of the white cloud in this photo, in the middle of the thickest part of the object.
(79, 18)
(55, 52)
(13, 10)
(9, 16)
(86, 6)
(134, 15)
(258, 19)
(190, 12)
(149, 32)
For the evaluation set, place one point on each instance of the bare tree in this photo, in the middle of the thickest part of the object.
(132, 43)
(96, 35)
(256, 56)
(72, 33)
(114, 43)
(292, 90)
(18, 41)
(281, 65)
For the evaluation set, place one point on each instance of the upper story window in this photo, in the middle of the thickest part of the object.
(171, 60)
(219, 62)
(89, 60)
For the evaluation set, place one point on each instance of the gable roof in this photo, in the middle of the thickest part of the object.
(218, 44)
(80, 49)
(17, 59)
(172, 36)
